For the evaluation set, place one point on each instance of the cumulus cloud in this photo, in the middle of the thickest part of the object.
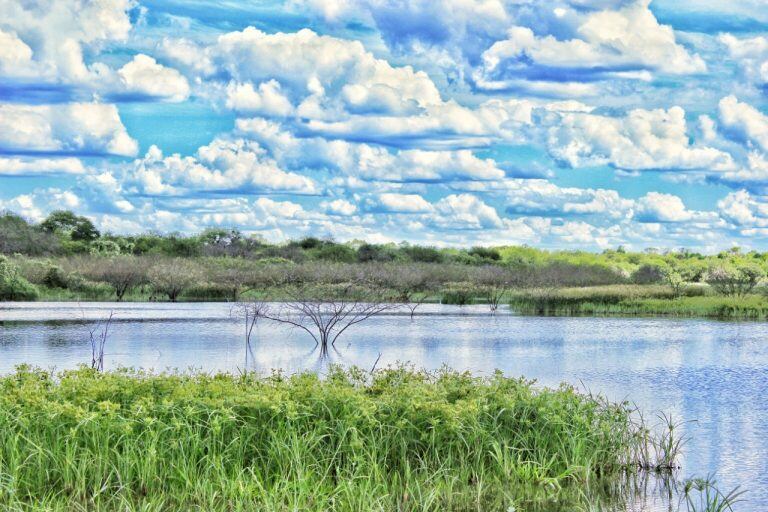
(143, 76)
(744, 121)
(339, 207)
(76, 128)
(643, 139)
(660, 207)
(40, 166)
(398, 203)
(267, 100)
(47, 39)
(605, 43)
(465, 211)
(36, 205)
(48, 42)
(320, 74)
(367, 161)
(751, 54)
(222, 166)
(542, 197)
(743, 209)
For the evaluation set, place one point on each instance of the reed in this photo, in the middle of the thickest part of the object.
(394, 439)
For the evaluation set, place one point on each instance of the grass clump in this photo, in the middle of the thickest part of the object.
(395, 440)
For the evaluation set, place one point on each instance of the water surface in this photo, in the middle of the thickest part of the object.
(711, 375)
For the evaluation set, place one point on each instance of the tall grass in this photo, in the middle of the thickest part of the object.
(638, 300)
(395, 440)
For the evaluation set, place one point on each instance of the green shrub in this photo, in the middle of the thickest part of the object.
(12, 285)
(458, 296)
(55, 277)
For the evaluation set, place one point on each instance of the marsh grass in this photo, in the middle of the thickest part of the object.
(638, 300)
(396, 439)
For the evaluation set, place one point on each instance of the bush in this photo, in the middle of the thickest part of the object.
(649, 273)
(735, 278)
(12, 285)
(55, 277)
(458, 296)
(423, 254)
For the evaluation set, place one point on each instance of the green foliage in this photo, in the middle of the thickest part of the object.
(735, 276)
(458, 295)
(71, 226)
(485, 253)
(12, 285)
(397, 440)
(335, 252)
(55, 277)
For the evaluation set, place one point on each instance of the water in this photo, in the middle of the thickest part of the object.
(711, 375)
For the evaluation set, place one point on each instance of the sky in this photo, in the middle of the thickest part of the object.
(562, 124)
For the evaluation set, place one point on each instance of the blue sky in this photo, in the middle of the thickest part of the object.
(571, 124)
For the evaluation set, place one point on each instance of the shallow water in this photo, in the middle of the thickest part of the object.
(711, 375)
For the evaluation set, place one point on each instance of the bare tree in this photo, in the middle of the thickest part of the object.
(172, 276)
(411, 283)
(121, 272)
(98, 336)
(495, 282)
(326, 312)
(250, 312)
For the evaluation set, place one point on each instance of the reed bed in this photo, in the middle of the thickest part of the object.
(635, 300)
(396, 439)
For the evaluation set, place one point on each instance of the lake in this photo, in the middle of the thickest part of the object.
(711, 375)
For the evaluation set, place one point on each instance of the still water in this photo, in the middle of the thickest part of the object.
(711, 375)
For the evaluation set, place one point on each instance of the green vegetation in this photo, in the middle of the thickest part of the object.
(66, 258)
(649, 300)
(397, 439)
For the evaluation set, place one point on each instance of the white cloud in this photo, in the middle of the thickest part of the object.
(322, 75)
(744, 210)
(40, 166)
(366, 161)
(751, 54)
(465, 211)
(660, 207)
(398, 203)
(267, 100)
(48, 37)
(544, 197)
(87, 128)
(39, 203)
(339, 207)
(643, 139)
(223, 165)
(607, 41)
(144, 76)
(744, 121)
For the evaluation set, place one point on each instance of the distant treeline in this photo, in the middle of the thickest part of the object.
(65, 256)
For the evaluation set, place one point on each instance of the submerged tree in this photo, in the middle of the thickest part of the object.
(250, 313)
(326, 312)
(495, 282)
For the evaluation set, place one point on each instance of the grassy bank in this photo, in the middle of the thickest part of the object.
(400, 440)
(640, 301)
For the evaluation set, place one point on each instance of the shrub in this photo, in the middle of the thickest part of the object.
(648, 273)
(458, 296)
(485, 253)
(735, 279)
(12, 285)
(55, 277)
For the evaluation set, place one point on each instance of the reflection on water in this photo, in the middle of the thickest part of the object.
(711, 375)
